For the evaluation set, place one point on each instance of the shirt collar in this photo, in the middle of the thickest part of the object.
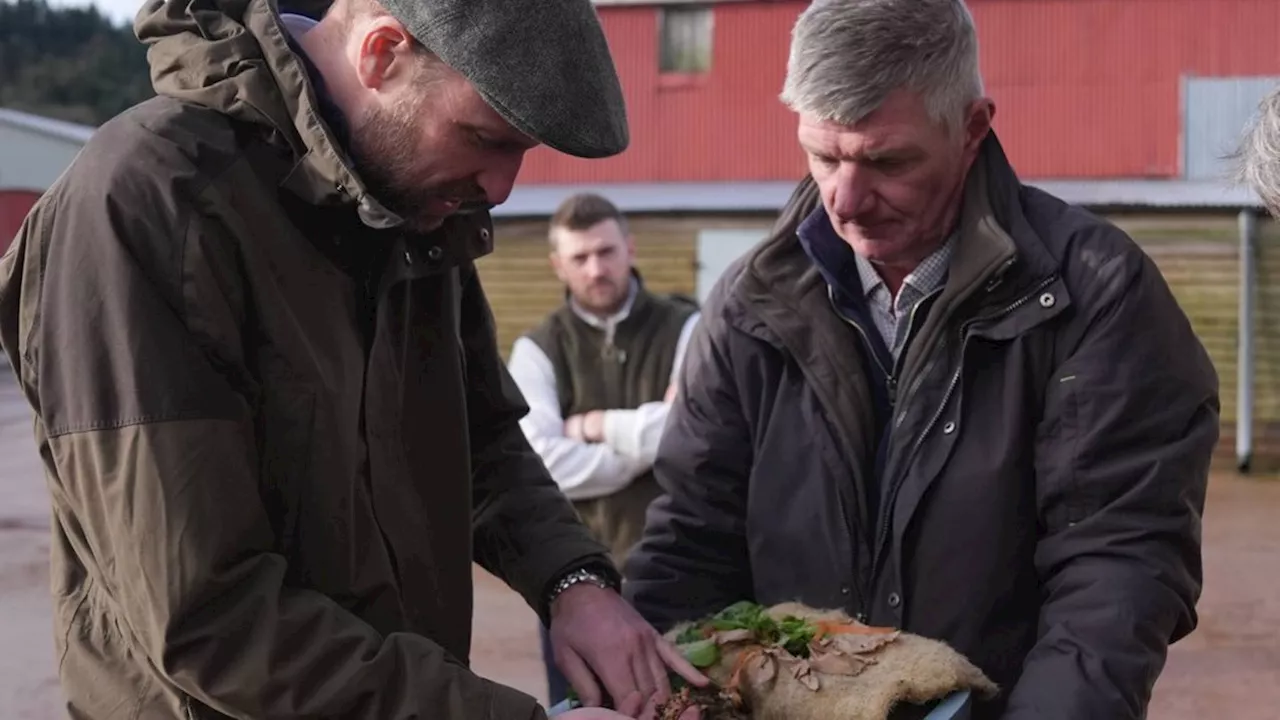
(622, 313)
(922, 280)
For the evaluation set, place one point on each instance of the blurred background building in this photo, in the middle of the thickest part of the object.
(34, 151)
(1129, 107)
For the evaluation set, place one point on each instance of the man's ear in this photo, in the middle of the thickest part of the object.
(385, 54)
(981, 113)
(556, 265)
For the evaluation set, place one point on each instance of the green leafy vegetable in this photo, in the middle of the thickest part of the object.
(795, 635)
(692, 633)
(790, 633)
(701, 653)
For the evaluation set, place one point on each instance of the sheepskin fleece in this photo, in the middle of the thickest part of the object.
(911, 669)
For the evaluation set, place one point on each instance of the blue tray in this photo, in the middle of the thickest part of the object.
(954, 707)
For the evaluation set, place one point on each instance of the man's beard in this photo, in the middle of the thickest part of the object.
(382, 146)
(615, 296)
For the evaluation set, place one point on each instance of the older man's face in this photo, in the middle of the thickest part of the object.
(892, 184)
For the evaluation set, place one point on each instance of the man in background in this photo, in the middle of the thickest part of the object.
(597, 376)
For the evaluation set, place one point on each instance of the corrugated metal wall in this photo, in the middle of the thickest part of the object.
(1198, 255)
(14, 206)
(32, 160)
(724, 125)
(1084, 88)
(1215, 113)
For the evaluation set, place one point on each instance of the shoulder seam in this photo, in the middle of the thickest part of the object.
(122, 423)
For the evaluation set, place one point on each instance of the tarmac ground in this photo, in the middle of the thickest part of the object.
(1229, 667)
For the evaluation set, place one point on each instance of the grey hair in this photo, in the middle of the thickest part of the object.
(848, 55)
(1258, 157)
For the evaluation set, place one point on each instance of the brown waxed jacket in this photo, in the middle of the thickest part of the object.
(1044, 474)
(275, 438)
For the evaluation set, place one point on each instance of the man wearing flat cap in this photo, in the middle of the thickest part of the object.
(275, 426)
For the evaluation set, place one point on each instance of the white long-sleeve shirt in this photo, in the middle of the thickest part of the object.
(589, 470)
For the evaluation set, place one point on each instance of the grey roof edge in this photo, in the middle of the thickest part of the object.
(769, 196)
(58, 129)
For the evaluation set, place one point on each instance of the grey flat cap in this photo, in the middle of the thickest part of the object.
(544, 65)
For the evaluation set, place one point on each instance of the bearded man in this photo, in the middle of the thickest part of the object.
(274, 422)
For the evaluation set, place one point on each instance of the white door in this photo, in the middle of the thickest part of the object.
(717, 249)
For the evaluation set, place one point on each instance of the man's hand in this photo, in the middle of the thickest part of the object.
(593, 713)
(585, 427)
(650, 713)
(595, 633)
(672, 390)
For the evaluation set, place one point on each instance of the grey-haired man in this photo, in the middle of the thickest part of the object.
(937, 398)
(276, 427)
(1259, 152)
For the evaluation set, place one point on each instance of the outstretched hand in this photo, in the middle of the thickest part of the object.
(596, 634)
(650, 713)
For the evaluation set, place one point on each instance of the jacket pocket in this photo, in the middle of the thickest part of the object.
(1058, 445)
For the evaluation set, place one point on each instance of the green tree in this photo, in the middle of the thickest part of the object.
(69, 63)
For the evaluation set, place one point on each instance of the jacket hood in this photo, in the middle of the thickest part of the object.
(234, 57)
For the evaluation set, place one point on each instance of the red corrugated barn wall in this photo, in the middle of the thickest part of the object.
(14, 205)
(1084, 88)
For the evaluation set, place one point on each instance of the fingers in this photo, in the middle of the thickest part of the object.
(645, 680)
(632, 705)
(579, 676)
(676, 660)
(650, 711)
(617, 672)
(670, 395)
(662, 686)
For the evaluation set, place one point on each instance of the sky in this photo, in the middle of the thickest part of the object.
(118, 10)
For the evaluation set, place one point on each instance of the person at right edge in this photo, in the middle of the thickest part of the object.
(937, 398)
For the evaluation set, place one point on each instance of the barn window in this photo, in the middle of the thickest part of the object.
(684, 38)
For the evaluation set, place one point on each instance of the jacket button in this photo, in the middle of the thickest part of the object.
(894, 600)
(1047, 300)
(408, 258)
(435, 253)
(949, 428)
(844, 589)
(484, 234)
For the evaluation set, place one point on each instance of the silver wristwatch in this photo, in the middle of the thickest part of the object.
(575, 577)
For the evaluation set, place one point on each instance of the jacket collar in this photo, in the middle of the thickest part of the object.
(996, 246)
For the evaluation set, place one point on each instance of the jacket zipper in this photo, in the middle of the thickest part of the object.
(858, 587)
(891, 387)
(891, 375)
(906, 343)
(866, 339)
(946, 398)
(891, 391)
